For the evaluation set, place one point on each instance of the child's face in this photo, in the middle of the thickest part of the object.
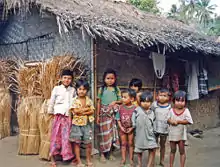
(126, 99)
(135, 88)
(81, 91)
(110, 79)
(66, 80)
(146, 104)
(180, 103)
(163, 97)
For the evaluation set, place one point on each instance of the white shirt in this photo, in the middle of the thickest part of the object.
(61, 100)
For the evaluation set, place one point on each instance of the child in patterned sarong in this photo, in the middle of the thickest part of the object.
(109, 96)
(136, 85)
(124, 118)
(60, 103)
(178, 118)
(81, 131)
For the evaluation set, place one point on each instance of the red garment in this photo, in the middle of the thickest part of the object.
(125, 114)
(60, 144)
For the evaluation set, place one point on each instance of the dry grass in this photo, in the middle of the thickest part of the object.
(5, 112)
(45, 126)
(40, 79)
(29, 137)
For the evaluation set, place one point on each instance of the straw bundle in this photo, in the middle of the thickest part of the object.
(40, 79)
(28, 81)
(50, 71)
(45, 126)
(5, 112)
(29, 138)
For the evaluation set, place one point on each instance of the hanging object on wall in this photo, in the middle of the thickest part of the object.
(159, 62)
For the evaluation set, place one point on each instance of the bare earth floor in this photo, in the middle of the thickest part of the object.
(200, 153)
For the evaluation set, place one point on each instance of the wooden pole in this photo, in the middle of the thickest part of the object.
(155, 87)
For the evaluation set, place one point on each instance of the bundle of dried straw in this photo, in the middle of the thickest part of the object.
(45, 126)
(39, 80)
(29, 137)
(5, 112)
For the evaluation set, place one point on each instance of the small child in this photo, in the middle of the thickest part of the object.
(179, 116)
(136, 85)
(161, 108)
(81, 131)
(143, 120)
(59, 106)
(109, 96)
(124, 118)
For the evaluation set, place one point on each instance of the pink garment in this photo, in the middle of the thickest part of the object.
(60, 144)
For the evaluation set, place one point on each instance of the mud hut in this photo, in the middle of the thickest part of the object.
(104, 34)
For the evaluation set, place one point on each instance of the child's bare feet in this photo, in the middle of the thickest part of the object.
(102, 159)
(112, 158)
(161, 163)
(122, 163)
(53, 164)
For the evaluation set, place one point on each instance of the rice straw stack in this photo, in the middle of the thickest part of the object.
(29, 82)
(29, 137)
(45, 126)
(50, 71)
(5, 113)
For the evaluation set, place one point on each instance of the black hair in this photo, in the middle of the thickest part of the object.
(146, 96)
(164, 90)
(67, 72)
(179, 95)
(83, 83)
(136, 82)
(131, 93)
(109, 71)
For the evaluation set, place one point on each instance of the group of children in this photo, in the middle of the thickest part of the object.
(131, 114)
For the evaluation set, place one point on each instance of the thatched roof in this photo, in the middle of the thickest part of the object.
(117, 21)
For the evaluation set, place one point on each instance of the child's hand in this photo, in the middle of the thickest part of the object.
(129, 130)
(174, 122)
(98, 120)
(123, 129)
(112, 104)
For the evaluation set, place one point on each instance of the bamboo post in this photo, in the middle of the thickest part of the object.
(155, 87)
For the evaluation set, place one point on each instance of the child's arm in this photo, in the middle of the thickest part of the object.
(172, 122)
(183, 122)
(188, 118)
(98, 111)
(121, 127)
(80, 111)
(52, 101)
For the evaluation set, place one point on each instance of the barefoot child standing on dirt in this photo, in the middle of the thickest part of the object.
(161, 108)
(179, 116)
(109, 96)
(60, 103)
(81, 130)
(143, 119)
(124, 118)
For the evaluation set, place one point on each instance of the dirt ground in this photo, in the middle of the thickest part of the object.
(200, 153)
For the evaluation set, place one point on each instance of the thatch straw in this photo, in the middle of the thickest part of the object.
(40, 79)
(5, 112)
(28, 113)
(45, 126)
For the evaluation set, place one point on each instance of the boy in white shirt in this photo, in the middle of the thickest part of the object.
(59, 106)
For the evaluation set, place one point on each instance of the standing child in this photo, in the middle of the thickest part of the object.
(81, 131)
(161, 108)
(124, 118)
(143, 120)
(59, 106)
(179, 116)
(109, 96)
(136, 85)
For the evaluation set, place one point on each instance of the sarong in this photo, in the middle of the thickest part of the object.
(60, 144)
(107, 127)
